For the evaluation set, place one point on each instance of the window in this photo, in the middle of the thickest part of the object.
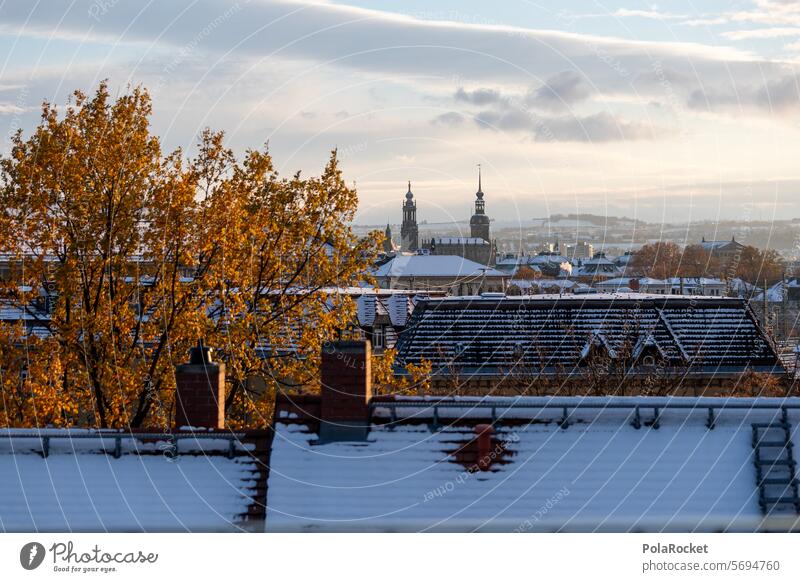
(377, 337)
(648, 361)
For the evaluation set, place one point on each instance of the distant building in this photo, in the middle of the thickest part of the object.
(581, 250)
(472, 248)
(434, 273)
(479, 223)
(724, 250)
(389, 245)
(409, 231)
(634, 285)
(624, 260)
(478, 246)
(597, 268)
(552, 264)
(697, 286)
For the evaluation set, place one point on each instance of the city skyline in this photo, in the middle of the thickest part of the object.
(674, 112)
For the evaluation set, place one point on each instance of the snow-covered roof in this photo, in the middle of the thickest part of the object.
(548, 257)
(81, 486)
(546, 333)
(776, 293)
(397, 307)
(695, 281)
(434, 266)
(714, 245)
(626, 281)
(596, 473)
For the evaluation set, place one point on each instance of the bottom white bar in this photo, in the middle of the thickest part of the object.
(399, 557)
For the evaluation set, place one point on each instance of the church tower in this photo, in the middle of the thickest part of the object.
(409, 233)
(388, 242)
(479, 223)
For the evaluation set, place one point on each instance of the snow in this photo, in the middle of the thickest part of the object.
(434, 266)
(599, 473)
(80, 488)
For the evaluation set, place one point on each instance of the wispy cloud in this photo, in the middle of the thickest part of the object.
(648, 14)
(758, 33)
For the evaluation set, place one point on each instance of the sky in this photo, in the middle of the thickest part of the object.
(669, 112)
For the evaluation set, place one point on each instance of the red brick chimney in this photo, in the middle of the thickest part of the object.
(346, 390)
(200, 391)
(483, 436)
(634, 284)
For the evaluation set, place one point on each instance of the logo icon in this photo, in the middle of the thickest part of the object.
(31, 555)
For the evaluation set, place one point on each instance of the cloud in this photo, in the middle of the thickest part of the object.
(761, 33)
(649, 14)
(450, 119)
(561, 90)
(596, 128)
(332, 35)
(478, 96)
(776, 96)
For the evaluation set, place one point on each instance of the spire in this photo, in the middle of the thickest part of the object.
(479, 178)
(409, 194)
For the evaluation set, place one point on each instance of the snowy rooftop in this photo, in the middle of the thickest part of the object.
(491, 336)
(84, 483)
(598, 472)
(434, 266)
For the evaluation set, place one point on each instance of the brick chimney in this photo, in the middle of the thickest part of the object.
(200, 390)
(483, 438)
(634, 284)
(346, 390)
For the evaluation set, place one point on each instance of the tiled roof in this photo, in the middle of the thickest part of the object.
(398, 307)
(81, 486)
(491, 336)
(597, 473)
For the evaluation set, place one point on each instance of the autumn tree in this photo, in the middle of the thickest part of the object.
(147, 252)
(665, 259)
(659, 260)
(698, 262)
(756, 266)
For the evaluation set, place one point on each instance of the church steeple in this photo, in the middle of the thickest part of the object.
(409, 232)
(388, 243)
(479, 223)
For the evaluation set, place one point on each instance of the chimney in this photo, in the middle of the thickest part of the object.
(634, 284)
(483, 437)
(346, 390)
(200, 391)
